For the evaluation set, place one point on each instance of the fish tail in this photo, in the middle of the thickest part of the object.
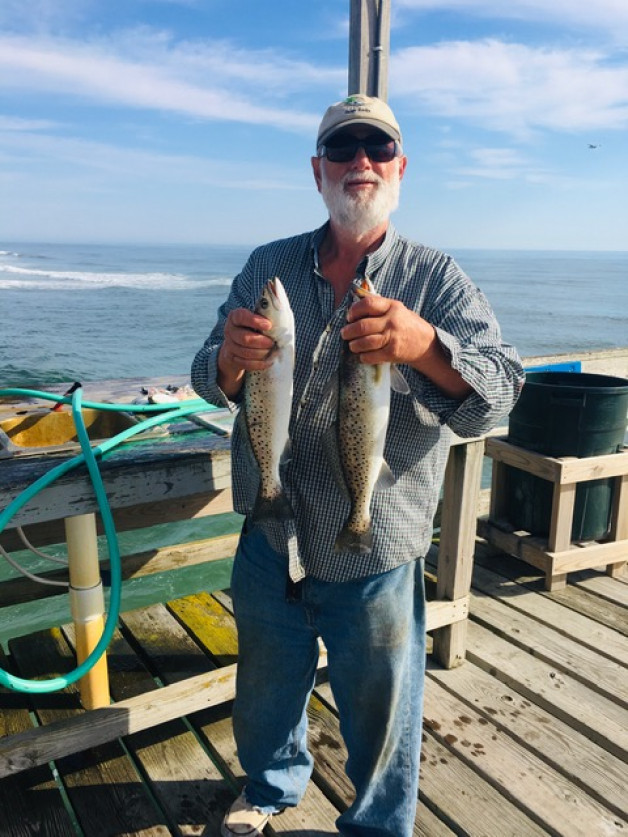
(277, 507)
(360, 543)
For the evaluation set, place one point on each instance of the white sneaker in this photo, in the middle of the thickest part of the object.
(243, 820)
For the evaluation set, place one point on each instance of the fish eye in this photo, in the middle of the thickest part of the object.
(264, 302)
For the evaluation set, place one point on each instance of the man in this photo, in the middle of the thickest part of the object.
(368, 608)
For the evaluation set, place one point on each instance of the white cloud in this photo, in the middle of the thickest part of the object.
(513, 88)
(99, 164)
(498, 164)
(14, 123)
(42, 15)
(146, 70)
(610, 16)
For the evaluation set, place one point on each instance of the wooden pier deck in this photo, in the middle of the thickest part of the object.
(527, 737)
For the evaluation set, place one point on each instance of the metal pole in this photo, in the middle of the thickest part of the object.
(369, 47)
(86, 597)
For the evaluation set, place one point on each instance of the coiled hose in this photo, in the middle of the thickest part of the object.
(88, 456)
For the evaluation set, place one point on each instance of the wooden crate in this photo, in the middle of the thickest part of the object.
(558, 555)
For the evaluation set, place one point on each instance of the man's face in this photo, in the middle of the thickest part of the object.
(361, 193)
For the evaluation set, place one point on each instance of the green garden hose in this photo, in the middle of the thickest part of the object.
(88, 456)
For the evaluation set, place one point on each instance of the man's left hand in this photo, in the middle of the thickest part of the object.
(383, 330)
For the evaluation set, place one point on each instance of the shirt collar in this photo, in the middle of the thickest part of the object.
(371, 262)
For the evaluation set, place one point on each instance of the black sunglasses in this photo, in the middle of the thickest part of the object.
(343, 150)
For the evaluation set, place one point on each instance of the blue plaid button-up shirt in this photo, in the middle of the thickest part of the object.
(421, 424)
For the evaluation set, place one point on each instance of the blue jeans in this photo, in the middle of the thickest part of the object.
(374, 631)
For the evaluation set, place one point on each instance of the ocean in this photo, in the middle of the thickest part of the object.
(93, 312)
(77, 312)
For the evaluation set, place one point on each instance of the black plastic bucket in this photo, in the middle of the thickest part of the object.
(566, 414)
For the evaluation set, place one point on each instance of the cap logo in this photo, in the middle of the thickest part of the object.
(354, 104)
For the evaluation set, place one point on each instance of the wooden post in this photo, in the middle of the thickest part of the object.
(369, 46)
(559, 540)
(461, 491)
(619, 523)
(87, 605)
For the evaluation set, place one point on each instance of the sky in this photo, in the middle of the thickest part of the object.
(193, 121)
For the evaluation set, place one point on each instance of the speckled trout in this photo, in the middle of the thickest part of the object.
(362, 422)
(267, 402)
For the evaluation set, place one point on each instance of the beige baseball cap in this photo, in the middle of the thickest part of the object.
(358, 110)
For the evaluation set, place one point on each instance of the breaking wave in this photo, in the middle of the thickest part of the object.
(15, 277)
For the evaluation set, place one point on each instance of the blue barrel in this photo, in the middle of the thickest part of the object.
(566, 414)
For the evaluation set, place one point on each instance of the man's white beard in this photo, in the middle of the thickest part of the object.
(363, 211)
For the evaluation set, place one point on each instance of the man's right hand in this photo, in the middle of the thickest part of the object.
(245, 348)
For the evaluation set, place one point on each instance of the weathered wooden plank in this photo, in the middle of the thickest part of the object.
(155, 471)
(604, 587)
(573, 597)
(101, 783)
(535, 551)
(604, 641)
(211, 625)
(562, 470)
(589, 556)
(188, 786)
(559, 651)
(457, 793)
(491, 577)
(563, 503)
(594, 467)
(60, 738)
(599, 638)
(526, 547)
(541, 792)
(136, 516)
(136, 565)
(500, 450)
(598, 610)
(587, 711)
(619, 512)
(441, 613)
(583, 762)
(30, 803)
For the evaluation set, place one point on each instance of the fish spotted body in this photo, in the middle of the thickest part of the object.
(362, 422)
(267, 400)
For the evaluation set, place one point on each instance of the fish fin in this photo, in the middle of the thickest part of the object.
(330, 448)
(386, 478)
(398, 381)
(277, 507)
(360, 543)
